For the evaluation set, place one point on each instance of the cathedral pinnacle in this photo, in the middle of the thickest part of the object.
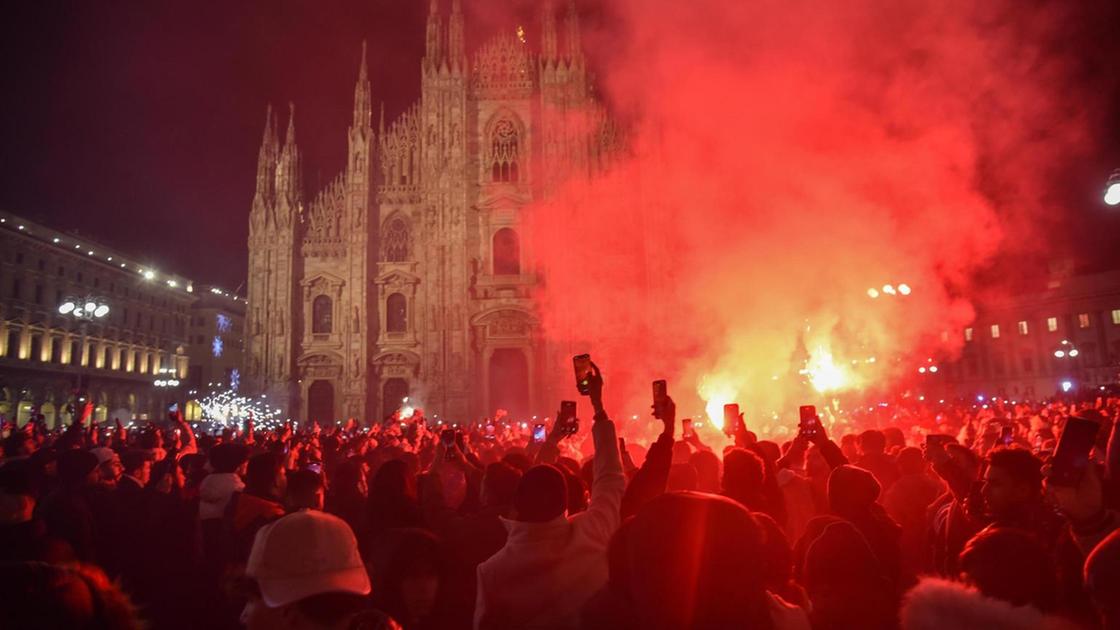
(548, 31)
(362, 107)
(575, 46)
(290, 138)
(456, 48)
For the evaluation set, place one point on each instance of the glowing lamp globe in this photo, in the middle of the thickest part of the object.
(904, 289)
(101, 311)
(1112, 194)
(66, 307)
(1066, 386)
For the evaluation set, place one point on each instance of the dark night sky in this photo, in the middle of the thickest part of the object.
(137, 123)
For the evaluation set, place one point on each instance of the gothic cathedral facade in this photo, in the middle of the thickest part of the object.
(408, 275)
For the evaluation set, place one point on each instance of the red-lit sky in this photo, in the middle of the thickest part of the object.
(137, 123)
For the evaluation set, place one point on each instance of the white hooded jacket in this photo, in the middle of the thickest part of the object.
(545, 572)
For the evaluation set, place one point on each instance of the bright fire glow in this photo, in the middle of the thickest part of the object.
(824, 375)
(716, 394)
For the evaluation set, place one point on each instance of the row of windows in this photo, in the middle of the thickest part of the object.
(1083, 321)
(61, 353)
(1029, 363)
(396, 314)
(505, 246)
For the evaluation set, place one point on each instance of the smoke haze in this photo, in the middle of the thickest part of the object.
(786, 157)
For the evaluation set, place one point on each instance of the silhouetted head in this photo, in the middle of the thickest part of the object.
(542, 495)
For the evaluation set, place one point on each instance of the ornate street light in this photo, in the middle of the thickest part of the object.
(88, 309)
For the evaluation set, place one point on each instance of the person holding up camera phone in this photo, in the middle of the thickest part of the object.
(552, 563)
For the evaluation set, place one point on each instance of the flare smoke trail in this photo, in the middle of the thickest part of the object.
(784, 158)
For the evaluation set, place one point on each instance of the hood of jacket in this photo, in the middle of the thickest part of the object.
(935, 603)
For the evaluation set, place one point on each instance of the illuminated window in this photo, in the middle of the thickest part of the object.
(995, 331)
(396, 313)
(507, 253)
(1052, 324)
(1023, 328)
(1116, 316)
(1083, 320)
(968, 334)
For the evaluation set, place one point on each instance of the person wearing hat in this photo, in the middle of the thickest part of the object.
(108, 466)
(305, 571)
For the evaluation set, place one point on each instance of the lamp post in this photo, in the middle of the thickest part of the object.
(84, 311)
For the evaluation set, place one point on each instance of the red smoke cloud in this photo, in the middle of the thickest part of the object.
(784, 158)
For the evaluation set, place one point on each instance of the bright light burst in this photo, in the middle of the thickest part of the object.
(717, 393)
(227, 407)
(824, 375)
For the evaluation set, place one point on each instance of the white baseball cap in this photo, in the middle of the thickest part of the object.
(303, 554)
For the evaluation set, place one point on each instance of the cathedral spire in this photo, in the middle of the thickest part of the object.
(548, 32)
(288, 180)
(456, 46)
(575, 45)
(435, 34)
(266, 160)
(381, 126)
(362, 107)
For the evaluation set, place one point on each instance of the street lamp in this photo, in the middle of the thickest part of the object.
(86, 309)
(1112, 189)
(1066, 349)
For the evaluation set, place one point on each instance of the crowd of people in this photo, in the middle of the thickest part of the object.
(953, 521)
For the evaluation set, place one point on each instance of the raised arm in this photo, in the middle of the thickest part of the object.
(603, 514)
(652, 477)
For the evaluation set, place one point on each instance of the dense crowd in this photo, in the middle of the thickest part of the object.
(949, 516)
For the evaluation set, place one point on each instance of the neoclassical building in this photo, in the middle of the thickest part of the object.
(407, 275)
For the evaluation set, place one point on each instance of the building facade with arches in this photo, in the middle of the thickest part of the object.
(409, 275)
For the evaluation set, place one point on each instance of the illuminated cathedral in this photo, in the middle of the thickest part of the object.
(407, 276)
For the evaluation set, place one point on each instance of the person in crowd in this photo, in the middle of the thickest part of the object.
(690, 560)
(41, 595)
(258, 504)
(552, 564)
(1008, 581)
(304, 491)
(853, 495)
(305, 572)
(393, 501)
(845, 579)
(108, 466)
(872, 445)
(907, 502)
(70, 512)
(408, 574)
(1102, 580)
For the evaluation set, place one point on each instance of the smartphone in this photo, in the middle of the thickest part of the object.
(687, 432)
(567, 422)
(1071, 457)
(447, 438)
(730, 418)
(660, 393)
(810, 425)
(539, 433)
(315, 467)
(582, 364)
(1007, 435)
(173, 407)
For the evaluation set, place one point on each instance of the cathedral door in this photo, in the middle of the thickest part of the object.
(393, 394)
(320, 402)
(509, 383)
